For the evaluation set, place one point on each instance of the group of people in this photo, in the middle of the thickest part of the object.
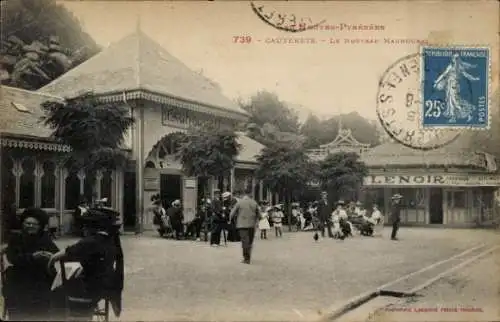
(28, 278)
(341, 222)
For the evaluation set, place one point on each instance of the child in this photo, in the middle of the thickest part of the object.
(264, 223)
(277, 220)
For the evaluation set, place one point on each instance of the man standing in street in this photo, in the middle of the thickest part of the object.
(246, 211)
(324, 213)
(396, 214)
(217, 219)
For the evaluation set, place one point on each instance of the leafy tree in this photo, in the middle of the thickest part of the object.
(285, 169)
(341, 174)
(266, 108)
(94, 130)
(313, 131)
(207, 152)
(40, 41)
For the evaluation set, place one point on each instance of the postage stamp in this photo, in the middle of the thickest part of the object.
(455, 87)
(398, 106)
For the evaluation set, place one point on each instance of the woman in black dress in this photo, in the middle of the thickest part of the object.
(27, 283)
(101, 257)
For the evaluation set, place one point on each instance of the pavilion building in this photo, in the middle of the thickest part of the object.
(451, 186)
(164, 96)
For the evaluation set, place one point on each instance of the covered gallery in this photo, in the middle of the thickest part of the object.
(163, 95)
(449, 186)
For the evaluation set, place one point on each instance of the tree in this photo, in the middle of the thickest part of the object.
(285, 169)
(265, 107)
(208, 152)
(312, 130)
(341, 174)
(40, 41)
(93, 129)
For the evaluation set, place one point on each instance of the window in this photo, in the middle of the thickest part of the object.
(27, 184)
(48, 196)
(106, 185)
(72, 191)
(8, 183)
(413, 198)
(459, 199)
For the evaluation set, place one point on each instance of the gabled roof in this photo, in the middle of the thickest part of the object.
(20, 112)
(137, 62)
(250, 149)
(455, 154)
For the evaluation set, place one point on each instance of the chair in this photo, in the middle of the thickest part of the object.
(100, 314)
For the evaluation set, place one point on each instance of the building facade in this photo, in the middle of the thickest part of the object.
(164, 96)
(451, 186)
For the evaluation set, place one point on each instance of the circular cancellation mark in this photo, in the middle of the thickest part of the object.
(399, 107)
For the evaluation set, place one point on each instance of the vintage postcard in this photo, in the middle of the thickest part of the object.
(250, 160)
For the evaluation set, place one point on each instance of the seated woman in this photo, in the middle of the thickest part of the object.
(101, 257)
(27, 284)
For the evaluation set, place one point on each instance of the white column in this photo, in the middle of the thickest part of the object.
(81, 177)
(17, 171)
(139, 169)
(231, 180)
(97, 183)
(254, 183)
(38, 174)
(62, 197)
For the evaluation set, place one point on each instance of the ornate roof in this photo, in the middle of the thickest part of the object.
(138, 63)
(344, 138)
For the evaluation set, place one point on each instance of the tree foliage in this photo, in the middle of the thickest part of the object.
(94, 130)
(341, 174)
(266, 108)
(209, 152)
(284, 168)
(40, 41)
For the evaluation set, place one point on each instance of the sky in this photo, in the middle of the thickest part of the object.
(328, 72)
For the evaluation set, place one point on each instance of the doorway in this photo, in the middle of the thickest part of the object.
(129, 193)
(436, 206)
(170, 189)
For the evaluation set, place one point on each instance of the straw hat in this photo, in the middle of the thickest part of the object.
(226, 194)
(397, 196)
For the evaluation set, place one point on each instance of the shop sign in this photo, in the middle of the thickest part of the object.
(432, 180)
(152, 183)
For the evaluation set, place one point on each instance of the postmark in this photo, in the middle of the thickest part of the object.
(455, 87)
(398, 107)
(284, 21)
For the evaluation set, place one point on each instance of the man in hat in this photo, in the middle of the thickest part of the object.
(396, 214)
(217, 219)
(176, 218)
(246, 211)
(324, 211)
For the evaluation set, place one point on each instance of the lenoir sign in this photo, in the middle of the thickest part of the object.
(432, 180)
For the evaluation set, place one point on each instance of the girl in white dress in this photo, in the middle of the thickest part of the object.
(264, 223)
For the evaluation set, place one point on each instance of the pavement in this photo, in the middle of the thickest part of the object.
(469, 294)
(291, 278)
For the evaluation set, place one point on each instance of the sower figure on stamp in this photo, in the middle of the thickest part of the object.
(324, 213)
(395, 214)
(246, 211)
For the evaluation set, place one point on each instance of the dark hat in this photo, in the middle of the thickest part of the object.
(102, 218)
(37, 213)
